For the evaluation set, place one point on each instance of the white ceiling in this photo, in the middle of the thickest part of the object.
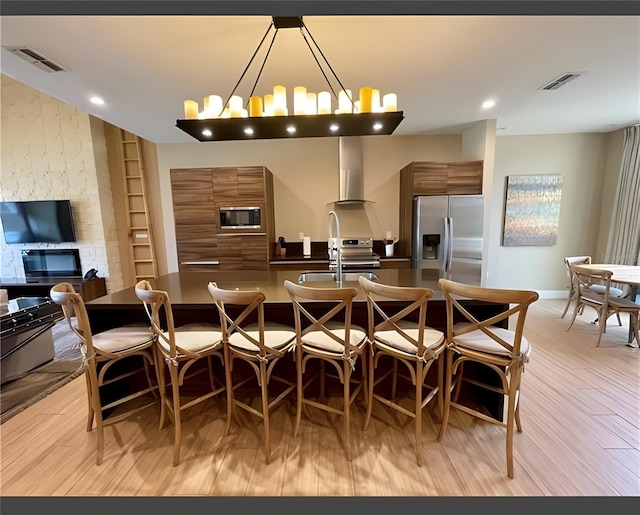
(441, 67)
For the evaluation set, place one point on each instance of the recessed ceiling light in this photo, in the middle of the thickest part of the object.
(207, 133)
(377, 126)
(487, 104)
(96, 100)
(291, 129)
(334, 127)
(248, 131)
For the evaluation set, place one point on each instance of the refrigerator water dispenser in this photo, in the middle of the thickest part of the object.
(430, 244)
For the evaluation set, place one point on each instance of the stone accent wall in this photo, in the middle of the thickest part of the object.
(53, 151)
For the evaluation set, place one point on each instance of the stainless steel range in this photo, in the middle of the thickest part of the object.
(355, 252)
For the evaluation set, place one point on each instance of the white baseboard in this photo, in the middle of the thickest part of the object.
(553, 294)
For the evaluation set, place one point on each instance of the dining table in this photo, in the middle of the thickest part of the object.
(622, 274)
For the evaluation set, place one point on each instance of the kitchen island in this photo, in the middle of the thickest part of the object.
(192, 303)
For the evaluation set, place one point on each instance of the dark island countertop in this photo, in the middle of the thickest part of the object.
(190, 288)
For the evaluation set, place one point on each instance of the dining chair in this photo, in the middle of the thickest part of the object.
(573, 286)
(476, 338)
(324, 332)
(603, 303)
(395, 333)
(102, 352)
(246, 336)
(180, 347)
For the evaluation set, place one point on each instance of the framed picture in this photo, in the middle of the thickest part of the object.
(532, 210)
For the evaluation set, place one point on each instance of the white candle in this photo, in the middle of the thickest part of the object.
(268, 105)
(235, 106)
(279, 100)
(324, 102)
(191, 109)
(375, 101)
(214, 106)
(344, 101)
(390, 102)
(312, 103)
(299, 100)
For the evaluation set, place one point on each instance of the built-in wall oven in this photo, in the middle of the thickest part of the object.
(248, 217)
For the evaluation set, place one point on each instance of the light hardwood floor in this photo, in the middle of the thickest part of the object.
(581, 437)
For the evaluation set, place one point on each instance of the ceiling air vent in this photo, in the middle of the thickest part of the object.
(37, 59)
(562, 80)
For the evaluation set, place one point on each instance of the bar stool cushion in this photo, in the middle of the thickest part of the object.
(479, 341)
(195, 337)
(122, 338)
(276, 336)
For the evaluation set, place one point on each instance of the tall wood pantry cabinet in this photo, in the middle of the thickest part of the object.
(198, 194)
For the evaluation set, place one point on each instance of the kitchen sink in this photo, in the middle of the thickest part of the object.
(308, 277)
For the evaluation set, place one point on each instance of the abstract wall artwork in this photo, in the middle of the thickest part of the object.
(532, 210)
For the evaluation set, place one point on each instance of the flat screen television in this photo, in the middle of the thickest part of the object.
(37, 221)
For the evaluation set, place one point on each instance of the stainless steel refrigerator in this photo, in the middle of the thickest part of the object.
(447, 236)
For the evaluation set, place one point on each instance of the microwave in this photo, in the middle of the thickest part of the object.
(240, 217)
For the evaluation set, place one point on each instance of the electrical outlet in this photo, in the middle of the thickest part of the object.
(388, 235)
(301, 235)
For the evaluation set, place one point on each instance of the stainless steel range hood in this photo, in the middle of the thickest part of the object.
(351, 170)
(356, 214)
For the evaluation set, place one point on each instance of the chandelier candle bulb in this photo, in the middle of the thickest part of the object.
(344, 101)
(279, 100)
(324, 102)
(299, 100)
(390, 102)
(214, 106)
(255, 106)
(312, 103)
(268, 105)
(191, 109)
(235, 106)
(366, 99)
(375, 101)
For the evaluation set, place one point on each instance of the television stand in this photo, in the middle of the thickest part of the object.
(40, 287)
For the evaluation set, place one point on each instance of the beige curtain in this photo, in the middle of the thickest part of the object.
(623, 246)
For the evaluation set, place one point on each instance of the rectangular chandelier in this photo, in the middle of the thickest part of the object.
(269, 117)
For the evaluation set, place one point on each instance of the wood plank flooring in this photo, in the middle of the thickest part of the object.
(581, 437)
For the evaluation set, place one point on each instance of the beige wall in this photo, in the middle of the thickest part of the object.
(580, 159)
(52, 151)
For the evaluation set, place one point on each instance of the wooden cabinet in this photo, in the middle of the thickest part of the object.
(433, 178)
(430, 178)
(243, 252)
(89, 290)
(198, 194)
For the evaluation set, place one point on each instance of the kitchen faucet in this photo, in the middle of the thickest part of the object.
(337, 247)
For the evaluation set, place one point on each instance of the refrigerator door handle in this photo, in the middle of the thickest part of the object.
(449, 238)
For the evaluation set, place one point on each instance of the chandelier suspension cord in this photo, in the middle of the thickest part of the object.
(247, 67)
(327, 63)
(263, 63)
